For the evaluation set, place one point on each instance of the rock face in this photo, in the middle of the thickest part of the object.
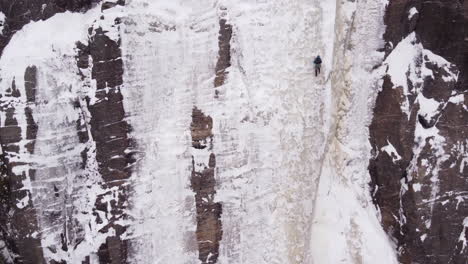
(86, 132)
(419, 131)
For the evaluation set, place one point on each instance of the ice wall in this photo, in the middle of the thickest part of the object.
(345, 219)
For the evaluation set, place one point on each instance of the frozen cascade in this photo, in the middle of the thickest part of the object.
(271, 120)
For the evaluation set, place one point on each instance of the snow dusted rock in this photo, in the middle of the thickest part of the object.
(100, 61)
(59, 133)
(421, 112)
(20, 236)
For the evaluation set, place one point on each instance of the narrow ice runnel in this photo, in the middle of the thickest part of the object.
(346, 224)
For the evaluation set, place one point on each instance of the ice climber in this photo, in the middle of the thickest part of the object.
(318, 64)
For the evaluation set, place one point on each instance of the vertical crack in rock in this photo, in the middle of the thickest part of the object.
(109, 131)
(209, 228)
(30, 82)
(419, 132)
(82, 60)
(18, 216)
(224, 53)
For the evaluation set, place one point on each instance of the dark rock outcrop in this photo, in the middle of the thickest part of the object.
(224, 53)
(422, 196)
(109, 131)
(209, 228)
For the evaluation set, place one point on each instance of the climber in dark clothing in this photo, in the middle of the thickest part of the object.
(318, 64)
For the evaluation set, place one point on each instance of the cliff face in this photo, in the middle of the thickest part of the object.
(156, 131)
(419, 131)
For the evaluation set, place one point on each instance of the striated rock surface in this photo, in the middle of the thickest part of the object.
(65, 161)
(109, 132)
(18, 216)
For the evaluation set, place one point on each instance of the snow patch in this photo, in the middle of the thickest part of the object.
(427, 107)
(423, 237)
(413, 11)
(417, 187)
(462, 236)
(408, 63)
(2, 22)
(457, 99)
(440, 62)
(23, 202)
(401, 66)
(391, 151)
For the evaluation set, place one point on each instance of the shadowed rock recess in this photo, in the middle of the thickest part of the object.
(224, 53)
(209, 228)
(422, 195)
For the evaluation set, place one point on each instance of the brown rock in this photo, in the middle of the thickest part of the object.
(209, 227)
(224, 53)
(419, 195)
